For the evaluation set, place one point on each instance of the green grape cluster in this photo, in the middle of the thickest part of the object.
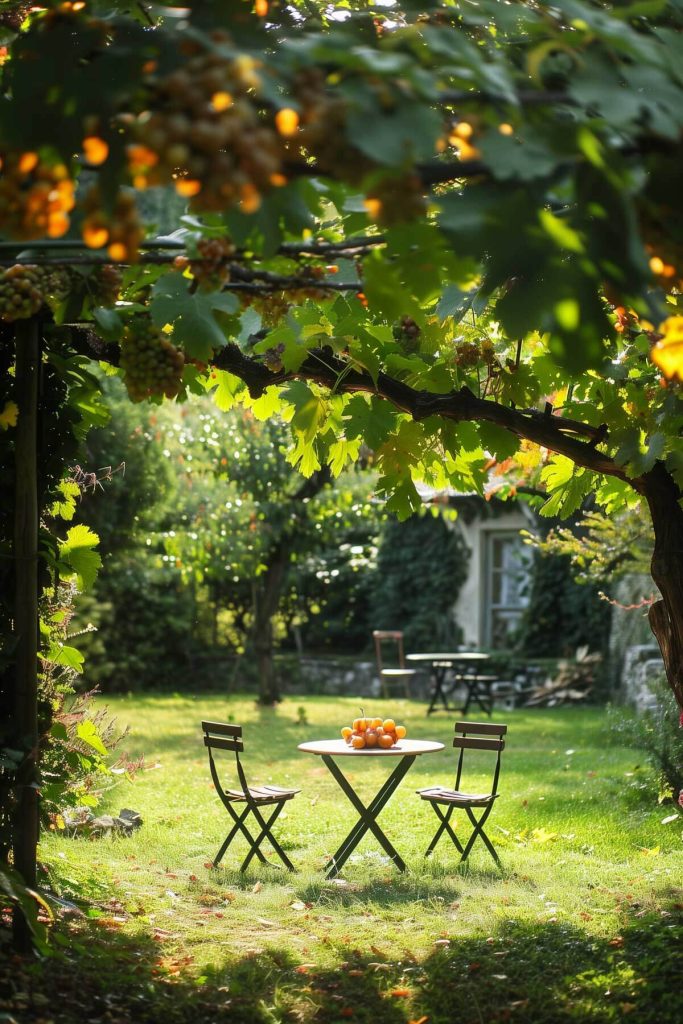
(25, 289)
(151, 364)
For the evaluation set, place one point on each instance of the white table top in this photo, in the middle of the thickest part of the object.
(337, 748)
(450, 656)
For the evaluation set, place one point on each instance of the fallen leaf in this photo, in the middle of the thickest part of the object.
(420, 1020)
(400, 993)
(265, 922)
(257, 887)
(627, 1007)
(669, 818)
(298, 905)
(617, 942)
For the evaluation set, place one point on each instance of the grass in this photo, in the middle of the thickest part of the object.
(581, 924)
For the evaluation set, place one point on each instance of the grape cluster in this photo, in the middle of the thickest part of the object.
(151, 364)
(272, 306)
(407, 333)
(272, 357)
(119, 229)
(203, 131)
(467, 354)
(25, 289)
(105, 285)
(322, 133)
(472, 353)
(210, 270)
(35, 197)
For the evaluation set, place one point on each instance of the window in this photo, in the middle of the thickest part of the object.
(506, 586)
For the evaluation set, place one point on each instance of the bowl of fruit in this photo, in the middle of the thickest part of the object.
(366, 733)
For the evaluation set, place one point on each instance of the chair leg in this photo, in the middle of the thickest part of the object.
(266, 832)
(239, 826)
(445, 826)
(478, 830)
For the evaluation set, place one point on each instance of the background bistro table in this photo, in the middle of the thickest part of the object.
(465, 666)
(405, 752)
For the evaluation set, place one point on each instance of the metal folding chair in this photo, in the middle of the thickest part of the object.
(218, 736)
(387, 676)
(468, 736)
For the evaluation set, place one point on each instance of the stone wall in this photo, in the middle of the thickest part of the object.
(642, 664)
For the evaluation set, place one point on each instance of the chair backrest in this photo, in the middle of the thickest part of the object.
(221, 736)
(380, 636)
(479, 736)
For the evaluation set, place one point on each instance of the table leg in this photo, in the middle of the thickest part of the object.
(367, 815)
(439, 673)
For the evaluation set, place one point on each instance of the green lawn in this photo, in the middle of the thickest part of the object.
(582, 924)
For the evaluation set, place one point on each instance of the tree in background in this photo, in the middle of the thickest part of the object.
(202, 526)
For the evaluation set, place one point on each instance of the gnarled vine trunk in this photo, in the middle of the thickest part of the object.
(666, 615)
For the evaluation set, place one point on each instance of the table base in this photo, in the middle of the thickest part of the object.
(367, 816)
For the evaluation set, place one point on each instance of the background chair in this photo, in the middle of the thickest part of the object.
(388, 676)
(218, 736)
(468, 736)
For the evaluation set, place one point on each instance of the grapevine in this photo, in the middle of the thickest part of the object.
(151, 364)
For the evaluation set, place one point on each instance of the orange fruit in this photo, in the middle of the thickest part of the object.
(371, 738)
(375, 723)
(400, 732)
(389, 724)
(386, 741)
(358, 741)
(360, 724)
(346, 732)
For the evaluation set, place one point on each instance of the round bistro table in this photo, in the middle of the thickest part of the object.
(405, 752)
(464, 664)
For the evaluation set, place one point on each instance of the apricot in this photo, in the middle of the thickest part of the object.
(400, 732)
(389, 725)
(371, 738)
(358, 741)
(386, 741)
(347, 732)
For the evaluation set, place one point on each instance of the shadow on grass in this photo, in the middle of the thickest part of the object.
(538, 973)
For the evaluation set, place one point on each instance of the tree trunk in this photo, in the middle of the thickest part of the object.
(666, 615)
(267, 597)
(25, 831)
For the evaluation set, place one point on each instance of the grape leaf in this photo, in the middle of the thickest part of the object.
(195, 326)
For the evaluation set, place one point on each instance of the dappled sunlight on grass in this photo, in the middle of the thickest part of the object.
(588, 878)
